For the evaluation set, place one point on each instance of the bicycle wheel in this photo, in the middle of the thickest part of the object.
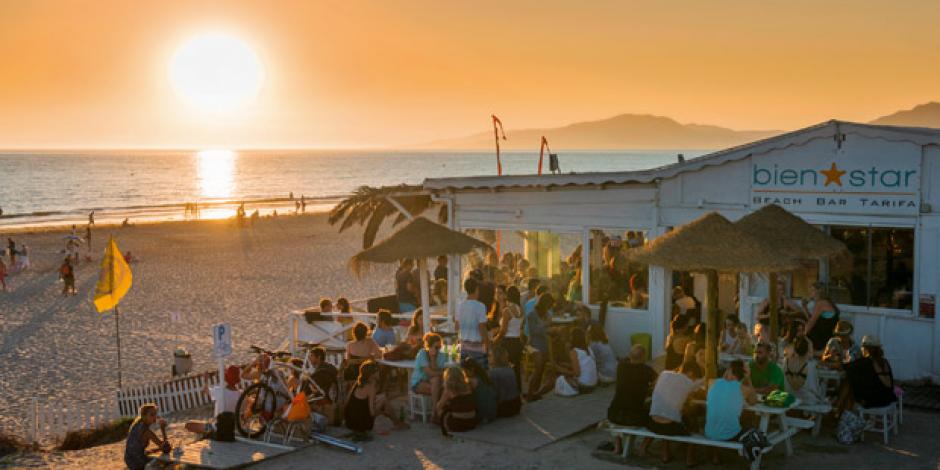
(255, 409)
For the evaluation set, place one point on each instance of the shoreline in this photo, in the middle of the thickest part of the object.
(149, 215)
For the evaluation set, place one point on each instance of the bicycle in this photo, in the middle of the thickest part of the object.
(263, 401)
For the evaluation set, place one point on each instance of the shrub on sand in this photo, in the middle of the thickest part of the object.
(112, 432)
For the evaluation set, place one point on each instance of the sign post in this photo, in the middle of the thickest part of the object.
(221, 345)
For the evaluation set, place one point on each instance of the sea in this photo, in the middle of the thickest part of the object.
(46, 188)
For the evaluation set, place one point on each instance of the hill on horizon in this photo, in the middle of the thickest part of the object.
(647, 131)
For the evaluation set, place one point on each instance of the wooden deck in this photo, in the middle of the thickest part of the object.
(543, 422)
(224, 455)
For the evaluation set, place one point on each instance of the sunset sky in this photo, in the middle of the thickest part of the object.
(337, 73)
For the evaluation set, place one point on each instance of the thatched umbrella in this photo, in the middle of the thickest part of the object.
(793, 237)
(711, 244)
(420, 239)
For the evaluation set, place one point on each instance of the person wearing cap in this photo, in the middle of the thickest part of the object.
(841, 349)
(225, 398)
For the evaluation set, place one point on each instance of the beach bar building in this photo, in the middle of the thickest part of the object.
(873, 187)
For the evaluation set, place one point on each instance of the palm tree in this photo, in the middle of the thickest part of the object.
(370, 207)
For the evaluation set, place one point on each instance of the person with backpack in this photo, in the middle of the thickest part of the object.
(724, 404)
(67, 274)
(225, 399)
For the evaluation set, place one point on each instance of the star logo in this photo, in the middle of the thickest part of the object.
(833, 175)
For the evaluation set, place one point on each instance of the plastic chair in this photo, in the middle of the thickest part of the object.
(420, 406)
(882, 419)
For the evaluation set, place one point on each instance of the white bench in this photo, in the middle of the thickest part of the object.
(818, 410)
(632, 432)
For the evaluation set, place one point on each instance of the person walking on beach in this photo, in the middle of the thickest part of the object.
(91, 218)
(88, 234)
(11, 249)
(3, 276)
(303, 204)
(67, 274)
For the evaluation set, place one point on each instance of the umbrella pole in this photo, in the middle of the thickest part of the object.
(425, 297)
(772, 303)
(117, 333)
(711, 341)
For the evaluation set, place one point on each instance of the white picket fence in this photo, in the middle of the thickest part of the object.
(53, 421)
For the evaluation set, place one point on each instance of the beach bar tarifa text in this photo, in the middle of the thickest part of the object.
(872, 187)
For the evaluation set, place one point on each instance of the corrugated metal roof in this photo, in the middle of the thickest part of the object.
(916, 135)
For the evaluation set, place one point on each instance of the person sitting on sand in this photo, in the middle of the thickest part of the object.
(365, 403)
(457, 406)
(360, 349)
(580, 370)
(603, 354)
(67, 274)
(503, 376)
(484, 393)
(140, 436)
(383, 334)
(225, 399)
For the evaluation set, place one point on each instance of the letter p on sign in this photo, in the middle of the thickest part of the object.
(221, 340)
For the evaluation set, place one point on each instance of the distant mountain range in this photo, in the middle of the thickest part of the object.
(645, 131)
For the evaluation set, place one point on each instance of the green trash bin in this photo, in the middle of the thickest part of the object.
(644, 339)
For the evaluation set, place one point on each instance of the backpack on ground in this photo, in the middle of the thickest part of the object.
(850, 428)
(754, 442)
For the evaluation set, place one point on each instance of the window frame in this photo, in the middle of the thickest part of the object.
(586, 269)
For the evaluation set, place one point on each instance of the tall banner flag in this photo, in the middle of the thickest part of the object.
(114, 280)
(497, 131)
(542, 149)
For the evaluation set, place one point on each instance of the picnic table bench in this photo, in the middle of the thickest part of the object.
(788, 428)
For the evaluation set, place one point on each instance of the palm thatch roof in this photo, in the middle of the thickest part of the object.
(370, 207)
(789, 234)
(712, 242)
(421, 238)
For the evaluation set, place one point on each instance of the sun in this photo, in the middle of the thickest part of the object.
(216, 72)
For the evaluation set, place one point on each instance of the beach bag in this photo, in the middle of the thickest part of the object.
(779, 399)
(299, 409)
(225, 426)
(563, 388)
(753, 442)
(850, 428)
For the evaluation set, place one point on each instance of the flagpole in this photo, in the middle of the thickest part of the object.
(117, 321)
(117, 331)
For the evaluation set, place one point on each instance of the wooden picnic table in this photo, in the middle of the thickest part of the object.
(211, 454)
(786, 430)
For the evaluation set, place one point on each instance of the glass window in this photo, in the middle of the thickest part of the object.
(613, 278)
(553, 258)
(879, 270)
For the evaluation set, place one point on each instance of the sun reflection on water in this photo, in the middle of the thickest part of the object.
(216, 173)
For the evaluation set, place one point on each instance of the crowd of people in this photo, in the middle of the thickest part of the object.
(505, 321)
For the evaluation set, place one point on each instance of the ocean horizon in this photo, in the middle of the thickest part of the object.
(62, 187)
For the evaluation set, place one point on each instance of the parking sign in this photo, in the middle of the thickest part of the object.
(222, 339)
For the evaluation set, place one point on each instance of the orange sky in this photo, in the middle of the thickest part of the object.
(339, 73)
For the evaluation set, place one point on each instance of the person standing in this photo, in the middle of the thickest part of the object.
(11, 250)
(440, 272)
(88, 236)
(91, 218)
(67, 274)
(471, 325)
(510, 331)
(3, 275)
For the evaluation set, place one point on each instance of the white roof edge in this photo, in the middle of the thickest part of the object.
(828, 129)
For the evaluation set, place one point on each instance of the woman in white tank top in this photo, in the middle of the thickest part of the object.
(509, 334)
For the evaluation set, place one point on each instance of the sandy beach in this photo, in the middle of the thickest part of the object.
(59, 349)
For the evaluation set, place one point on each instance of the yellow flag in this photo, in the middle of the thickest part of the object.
(114, 279)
